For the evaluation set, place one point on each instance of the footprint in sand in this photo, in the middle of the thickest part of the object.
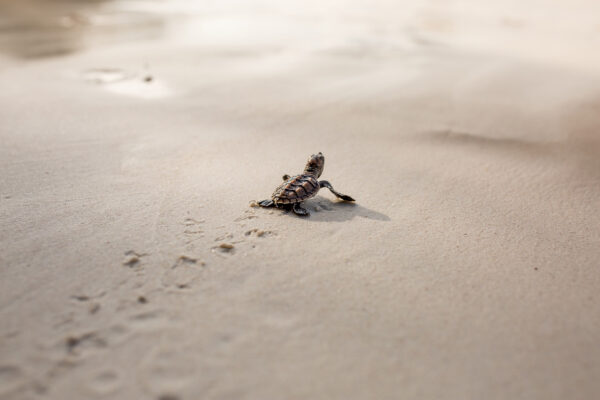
(133, 259)
(92, 306)
(152, 320)
(192, 225)
(182, 273)
(224, 236)
(193, 230)
(248, 214)
(229, 246)
(75, 344)
(259, 233)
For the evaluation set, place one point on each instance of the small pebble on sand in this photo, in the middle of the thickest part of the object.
(132, 262)
(226, 246)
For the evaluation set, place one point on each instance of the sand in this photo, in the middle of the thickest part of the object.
(134, 135)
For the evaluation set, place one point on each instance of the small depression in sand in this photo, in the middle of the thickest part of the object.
(128, 83)
(141, 89)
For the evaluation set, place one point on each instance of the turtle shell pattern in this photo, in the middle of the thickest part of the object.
(296, 189)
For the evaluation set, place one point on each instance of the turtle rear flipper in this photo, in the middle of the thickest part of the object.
(299, 210)
(326, 184)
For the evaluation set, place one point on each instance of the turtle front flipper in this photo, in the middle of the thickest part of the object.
(299, 210)
(266, 203)
(325, 184)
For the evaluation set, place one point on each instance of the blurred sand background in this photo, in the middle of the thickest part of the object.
(134, 134)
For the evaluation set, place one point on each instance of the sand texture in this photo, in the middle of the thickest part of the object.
(134, 135)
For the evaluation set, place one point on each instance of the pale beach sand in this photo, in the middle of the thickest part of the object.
(133, 136)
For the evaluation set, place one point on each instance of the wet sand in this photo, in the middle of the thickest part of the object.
(132, 265)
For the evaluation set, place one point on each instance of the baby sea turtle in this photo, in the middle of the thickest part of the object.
(298, 188)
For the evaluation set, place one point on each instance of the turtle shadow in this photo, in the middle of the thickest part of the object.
(325, 210)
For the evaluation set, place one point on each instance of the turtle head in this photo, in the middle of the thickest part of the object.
(315, 165)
